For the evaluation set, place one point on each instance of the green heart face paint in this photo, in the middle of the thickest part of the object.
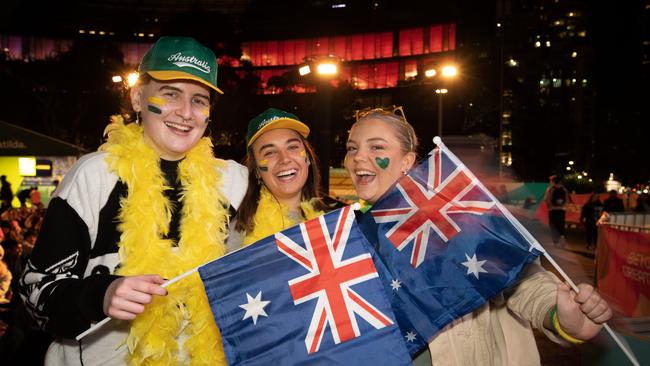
(155, 104)
(382, 162)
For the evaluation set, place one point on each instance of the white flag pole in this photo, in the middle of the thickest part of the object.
(530, 238)
(96, 326)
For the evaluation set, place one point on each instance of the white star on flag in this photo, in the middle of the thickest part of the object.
(255, 307)
(474, 266)
(395, 284)
(410, 336)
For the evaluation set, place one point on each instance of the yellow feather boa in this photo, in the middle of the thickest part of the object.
(144, 219)
(271, 217)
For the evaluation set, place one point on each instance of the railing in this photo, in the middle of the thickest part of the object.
(629, 221)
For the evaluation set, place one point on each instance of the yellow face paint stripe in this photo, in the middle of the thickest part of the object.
(303, 153)
(155, 100)
(154, 104)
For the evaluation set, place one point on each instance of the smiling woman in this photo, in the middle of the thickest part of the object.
(283, 183)
(174, 118)
(151, 204)
(381, 148)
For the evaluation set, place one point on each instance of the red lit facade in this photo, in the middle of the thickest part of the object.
(368, 60)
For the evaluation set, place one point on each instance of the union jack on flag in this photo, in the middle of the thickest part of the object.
(330, 279)
(432, 201)
(447, 244)
(309, 294)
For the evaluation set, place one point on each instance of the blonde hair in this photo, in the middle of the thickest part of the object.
(405, 133)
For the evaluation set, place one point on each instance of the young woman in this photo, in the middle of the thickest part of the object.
(136, 212)
(283, 183)
(381, 148)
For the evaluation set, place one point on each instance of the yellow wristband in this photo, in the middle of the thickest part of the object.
(560, 331)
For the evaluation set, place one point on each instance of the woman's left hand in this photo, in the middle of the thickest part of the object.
(582, 314)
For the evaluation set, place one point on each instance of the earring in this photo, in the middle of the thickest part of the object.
(137, 118)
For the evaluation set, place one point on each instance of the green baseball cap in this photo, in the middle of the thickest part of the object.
(272, 119)
(181, 58)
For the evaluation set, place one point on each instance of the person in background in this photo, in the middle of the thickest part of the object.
(152, 204)
(13, 257)
(613, 203)
(381, 148)
(5, 280)
(589, 215)
(283, 182)
(35, 197)
(642, 203)
(23, 195)
(556, 198)
(29, 239)
(6, 193)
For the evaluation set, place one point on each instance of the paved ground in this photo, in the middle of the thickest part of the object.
(578, 263)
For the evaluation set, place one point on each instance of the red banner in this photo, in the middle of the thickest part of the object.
(623, 269)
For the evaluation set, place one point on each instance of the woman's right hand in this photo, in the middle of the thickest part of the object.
(125, 297)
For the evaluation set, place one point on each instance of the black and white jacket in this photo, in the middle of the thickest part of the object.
(76, 253)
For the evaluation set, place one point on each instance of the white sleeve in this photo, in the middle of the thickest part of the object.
(235, 182)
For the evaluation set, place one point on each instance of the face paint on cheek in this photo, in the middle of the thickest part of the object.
(155, 105)
(303, 154)
(382, 162)
(206, 113)
(263, 165)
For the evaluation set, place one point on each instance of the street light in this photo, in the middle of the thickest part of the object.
(326, 69)
(449, 72)
(440, 93)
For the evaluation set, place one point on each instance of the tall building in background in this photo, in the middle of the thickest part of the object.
(572, 86)
(547, 85)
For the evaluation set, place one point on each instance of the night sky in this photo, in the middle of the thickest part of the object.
(71, 97)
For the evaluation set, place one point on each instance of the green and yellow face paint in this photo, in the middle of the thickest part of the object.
(206, 113)
(263, 165)
(155, 104)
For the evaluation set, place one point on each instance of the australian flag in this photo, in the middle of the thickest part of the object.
(447, 245)
(307, 295)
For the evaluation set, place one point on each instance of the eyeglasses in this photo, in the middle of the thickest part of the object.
(393, 109)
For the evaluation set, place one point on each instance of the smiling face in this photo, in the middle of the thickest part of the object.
(173, 113)
(375, 159)
(282, 163)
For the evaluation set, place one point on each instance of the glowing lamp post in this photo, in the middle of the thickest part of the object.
(440, 93)
(446, 72)
(326, 69)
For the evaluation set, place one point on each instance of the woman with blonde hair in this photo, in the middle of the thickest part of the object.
(381, 148)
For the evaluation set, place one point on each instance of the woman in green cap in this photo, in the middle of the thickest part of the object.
(283, 181)
(133, 214)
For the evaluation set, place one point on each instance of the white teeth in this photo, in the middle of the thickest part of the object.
(364, 172)
(286, 172)
(178, 126)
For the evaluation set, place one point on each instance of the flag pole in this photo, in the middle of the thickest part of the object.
(530, 238)
(96, 326)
